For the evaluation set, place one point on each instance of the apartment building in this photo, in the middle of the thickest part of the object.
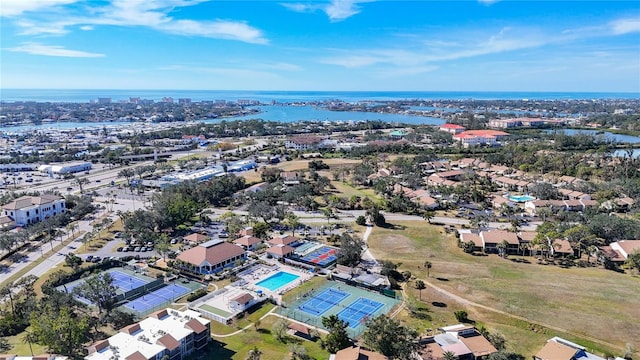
(171, 333)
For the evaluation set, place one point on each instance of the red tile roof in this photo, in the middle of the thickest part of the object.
(247, 240)
(169, 342)
(195, 325)
(196, 237)
(201, 256)
(281, 250)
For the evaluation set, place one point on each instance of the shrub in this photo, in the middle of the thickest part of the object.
(196, 295)
(461, 316)
(361, 220)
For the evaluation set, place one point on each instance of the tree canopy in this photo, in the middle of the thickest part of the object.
(390, 338)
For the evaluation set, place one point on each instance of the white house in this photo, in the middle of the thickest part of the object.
(32, 209)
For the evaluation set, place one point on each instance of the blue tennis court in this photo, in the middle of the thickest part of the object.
(323, 301)
(323, 256)
(126, 282)
(156, 298)
(359, 310)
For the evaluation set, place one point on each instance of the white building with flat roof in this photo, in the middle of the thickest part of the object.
(167, 332)
(68, 168)
(28, 210)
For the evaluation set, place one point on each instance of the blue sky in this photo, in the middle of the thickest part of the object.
(321, 45)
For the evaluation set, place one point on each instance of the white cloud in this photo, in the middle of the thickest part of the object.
(17, 7)
(438, 51)
(153, 14)
(52, 50)
(625, 26)
(336, 10)
(302, 8)
(341, 9)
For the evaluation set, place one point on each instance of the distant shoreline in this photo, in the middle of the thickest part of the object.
(87, 95)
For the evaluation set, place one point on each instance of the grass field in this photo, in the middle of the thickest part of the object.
(19, 346)
(300, 165)
(236, 347)
(589, 301)
(257, 334)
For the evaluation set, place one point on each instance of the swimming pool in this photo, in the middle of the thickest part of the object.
(521, 198)
(277, 280)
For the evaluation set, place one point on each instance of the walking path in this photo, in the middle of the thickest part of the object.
(468, 302)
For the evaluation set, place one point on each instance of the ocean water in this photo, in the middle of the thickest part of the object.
(86, 95)
(618, 138)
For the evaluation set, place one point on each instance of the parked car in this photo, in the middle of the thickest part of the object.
(119, 249)
(126, 249)
(143, 249)
(96, 259)
(89, 258)
(137, 248)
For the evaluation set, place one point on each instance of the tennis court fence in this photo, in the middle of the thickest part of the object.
(137, 292)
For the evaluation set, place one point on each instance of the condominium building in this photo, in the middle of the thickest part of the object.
(168, 332)
(32, 209)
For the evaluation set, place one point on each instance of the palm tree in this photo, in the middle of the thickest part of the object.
(449, 355)
(328, 213)
(420, 286)
(254, 354)
(427, 265)
(428, 215)
(128, 174)
(81, 182)
(292, 221)
(592, 251)
(502, 248)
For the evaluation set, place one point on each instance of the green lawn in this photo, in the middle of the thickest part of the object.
(575, 299)
(237, 346)
(21, 347)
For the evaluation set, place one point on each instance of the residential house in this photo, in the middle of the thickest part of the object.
(491, 239)
(32, 209)
(561, 247)
(248, 242)
(512, 184)
(558, 348)
(167, 333)
(531, 207)
(497, 202)
(210, 257)
(619, 251)
(464, 341)
(357, 353)
(466, 237)
(290, 177)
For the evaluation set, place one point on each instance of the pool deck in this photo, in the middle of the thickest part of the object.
(221, 302)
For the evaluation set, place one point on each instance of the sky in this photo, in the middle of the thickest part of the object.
(321, 45)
